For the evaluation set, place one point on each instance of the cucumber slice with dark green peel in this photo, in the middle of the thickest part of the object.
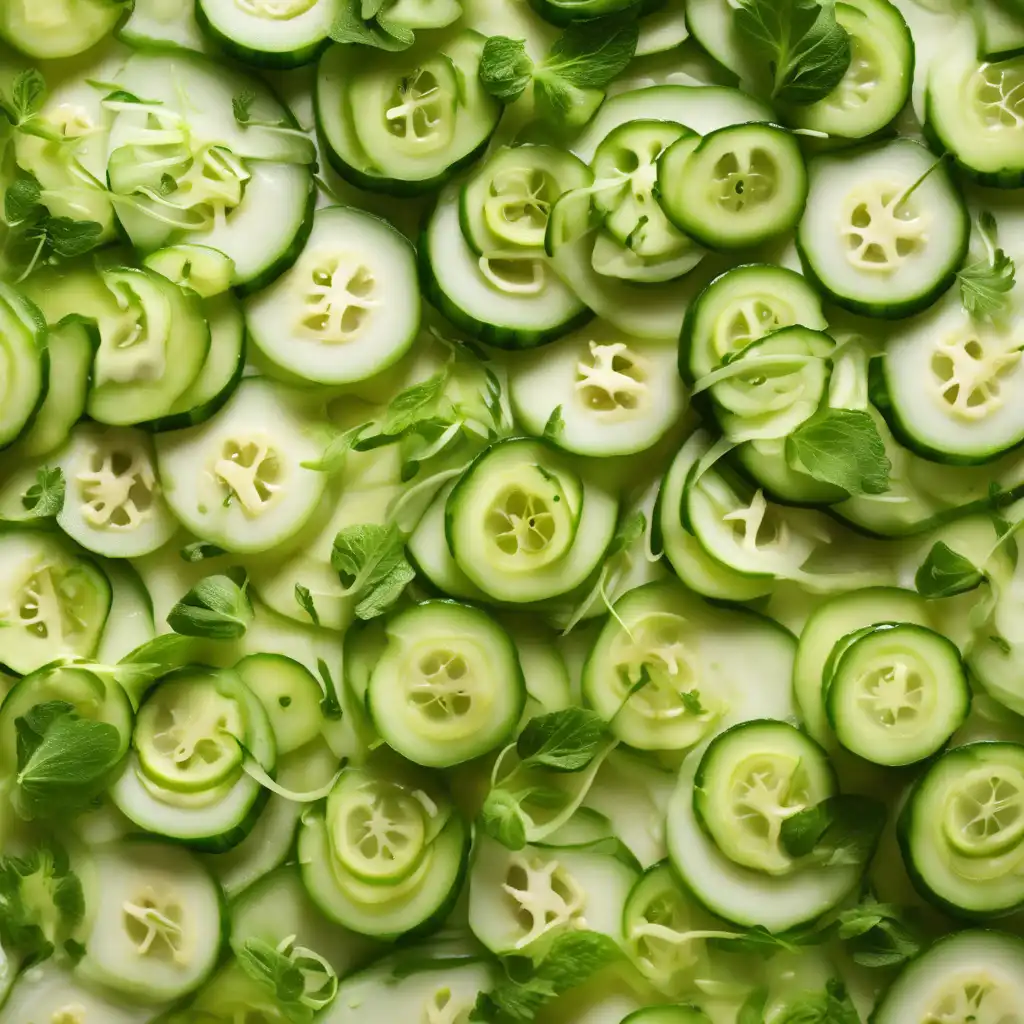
(55, 28)
(961, 830)
(896, 694)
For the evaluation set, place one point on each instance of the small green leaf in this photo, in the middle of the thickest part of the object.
(371, 562)
(842, 447)
(168, 185)
(350, 27)
(22, 199)
(692, 703)
(840, 831)
(629, 532)
(216, 608)
(336, 452)
(505, 68)
(70, 238)
(590, 54)
(555, 424)
(330, 706)
(985, 285)
(241, 106)
(563, 741)
(502, 820)
(28, 94)
(305, 601)
(945, 573)
(877, 934)
(45, 498)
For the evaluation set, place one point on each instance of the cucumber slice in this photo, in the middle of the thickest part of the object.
(746, 897)
(616, 395)
(350, 306)
(961, 830)
(46, 992)
(695, 656)
(739, 307)
(750, 780)
(741, 186)
(112, 502)
(565, 12)
(157, 922)
(48, 29)
(289, 694)
(162, 23)
(440, 988)
(507, 202)
(26, 364)
(367, 104)
(54, 602)
(220, 373)
(876, 86)
(663, 29)
(712, 24)
(867, 240)
(130, 623)
(238, 480)
(520, 900)
(979, 970)
(70, 347)
(523, 526)
(448, 686)
(838, 617)
(1000, 28)
(206, 271)
(512, 300)
(416, 905)
(266, 34)
(897, 694)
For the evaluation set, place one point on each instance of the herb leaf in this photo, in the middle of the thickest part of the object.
(217, 608)
(22, 199)
(831, 1006)
(842, 830)
(241, 106)
(199, 550)
(555, 424)
(353, 25)
(505, 68)
(877, 934)
(573, 958)
(842, 447)
(45, 498)
(945, 573)
(562, 741)
(502, 820)
(985, 285)
(371, 562)
(589, 54)
(807, 50)
(407, 410)
(305, 601)
(273, 969)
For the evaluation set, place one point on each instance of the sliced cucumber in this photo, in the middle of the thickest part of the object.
(350, 306)
(868, 237)
(49, 29)
(157, 922)
(206, 271)
(239, 479)
(162, 23)
(524, 526)
(448, 686)
(738, 894)
(112, 501)
(961, 830)
(46, 992)
(130, 623)
(289, 694)
(53, 602)
(616, 395)
(694, 656)
(266, 34)
(511, 300)
(26, 364)
(750, 780)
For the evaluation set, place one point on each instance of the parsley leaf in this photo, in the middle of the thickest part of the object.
(842, 447)
(877, 934)
(354, 25)
(945, 573)
(305, 601)
(371, 562)
(22, 199)
(807, 50)
(45, 498)
(573, 958)
(842, 830)
(407, 410)
(562, 741)
(41, 902)
(216, 608)
(63, 760)
(555, 424)
(985, 285)
(505, 68)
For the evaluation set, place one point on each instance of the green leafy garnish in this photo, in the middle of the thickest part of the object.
(23, 106)
(241, 106)
(830, 1006)
(569, 83)
(840, 831)
(572, 959)
(807, 50)
(330, 706)
(41, 902)
(21, 200)
(64, 761)
(304, 599)
(407, 411)
(372, 565)
(502, 819)
(841, 447)
(761, 942)
(45, 498)
(200, 550)
(217, 608)
(945, 573)
(300, 981)
(985, 285)
(336, 452)
(555, 424)
(367, 24)
(877, 934)
(562, 741)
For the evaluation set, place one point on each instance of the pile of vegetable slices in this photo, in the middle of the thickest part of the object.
(509, 512)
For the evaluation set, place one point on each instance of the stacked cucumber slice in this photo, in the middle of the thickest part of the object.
(509, 512)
